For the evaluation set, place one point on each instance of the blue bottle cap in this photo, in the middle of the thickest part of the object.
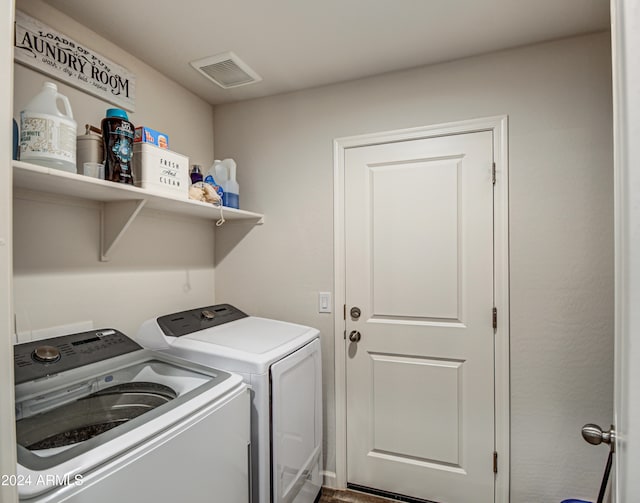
(117, 112)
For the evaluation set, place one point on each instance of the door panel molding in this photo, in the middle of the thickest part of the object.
(498, 125)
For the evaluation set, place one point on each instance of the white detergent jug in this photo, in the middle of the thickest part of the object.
(226, 176)
(47, 135)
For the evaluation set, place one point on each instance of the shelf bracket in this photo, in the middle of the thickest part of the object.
(115, 218)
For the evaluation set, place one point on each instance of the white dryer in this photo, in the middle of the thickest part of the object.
(282, 364)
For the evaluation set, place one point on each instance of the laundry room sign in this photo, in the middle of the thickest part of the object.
(53, 53)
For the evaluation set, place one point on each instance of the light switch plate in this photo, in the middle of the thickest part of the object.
(324, 302)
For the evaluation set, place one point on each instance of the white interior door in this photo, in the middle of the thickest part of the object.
(419, 268)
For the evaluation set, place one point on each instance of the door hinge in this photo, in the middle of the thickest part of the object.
(344, 335)
(493, 173)
(495, 317)
(344, 311)
(495, 462)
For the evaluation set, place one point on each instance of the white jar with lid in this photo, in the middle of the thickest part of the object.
(89, 150)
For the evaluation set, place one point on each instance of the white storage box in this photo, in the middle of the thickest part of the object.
(160, 170)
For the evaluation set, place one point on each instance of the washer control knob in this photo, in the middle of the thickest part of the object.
(46, 354)
(208, 315)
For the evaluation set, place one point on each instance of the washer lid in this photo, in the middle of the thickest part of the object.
(252, 335)
(247, 344)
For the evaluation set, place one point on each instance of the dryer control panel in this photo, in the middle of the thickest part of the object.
(33, 360)
(194, 320)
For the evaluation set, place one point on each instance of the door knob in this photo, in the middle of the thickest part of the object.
(355, 312)
(355, 336)
(593, 434)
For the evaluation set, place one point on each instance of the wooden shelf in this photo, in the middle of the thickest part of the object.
(121, 203)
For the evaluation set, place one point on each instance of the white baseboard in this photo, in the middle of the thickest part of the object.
(329, 479)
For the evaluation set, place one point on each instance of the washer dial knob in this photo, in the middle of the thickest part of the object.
(46, 354)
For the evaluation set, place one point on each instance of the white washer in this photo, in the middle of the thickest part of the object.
(282, 364)
(100, 419)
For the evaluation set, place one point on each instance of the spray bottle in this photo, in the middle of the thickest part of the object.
(226, 175)
(212, 179)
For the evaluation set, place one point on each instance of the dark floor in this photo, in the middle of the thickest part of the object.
(335, 496)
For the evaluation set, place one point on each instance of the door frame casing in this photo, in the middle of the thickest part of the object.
(499, 126)
(8, 492)
(625, 36)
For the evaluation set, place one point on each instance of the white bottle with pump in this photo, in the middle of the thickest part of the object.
(48, 135)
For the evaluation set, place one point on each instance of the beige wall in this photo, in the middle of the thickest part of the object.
(163, 264)
(558, 99)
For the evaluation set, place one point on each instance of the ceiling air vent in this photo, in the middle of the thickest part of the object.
(227, 70)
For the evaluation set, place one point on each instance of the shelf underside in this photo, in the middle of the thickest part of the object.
(121, 203)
